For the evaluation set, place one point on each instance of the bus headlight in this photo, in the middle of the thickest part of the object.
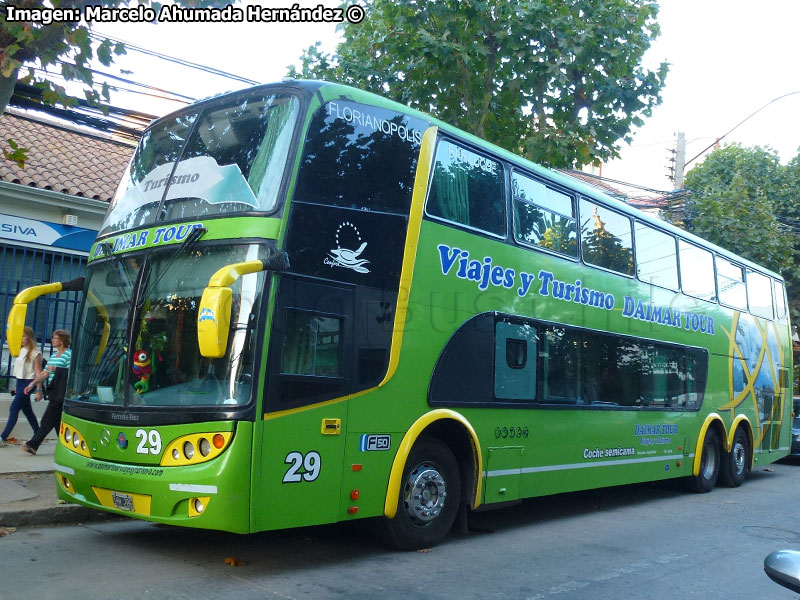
(73, 440)
(195, 448)
(204, 446)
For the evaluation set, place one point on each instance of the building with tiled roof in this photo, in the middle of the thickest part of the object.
(63, 159)
(50, 212)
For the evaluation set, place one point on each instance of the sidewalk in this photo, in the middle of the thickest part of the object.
(27, 484)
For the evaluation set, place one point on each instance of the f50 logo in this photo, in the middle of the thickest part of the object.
(371, 442)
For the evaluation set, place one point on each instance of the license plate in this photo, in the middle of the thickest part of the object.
(122, 501)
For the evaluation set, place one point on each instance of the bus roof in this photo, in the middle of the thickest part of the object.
(309, 87)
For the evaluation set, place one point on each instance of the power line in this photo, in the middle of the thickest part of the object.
(719, 139)
(172, 96)
(618, 182)
(129, 123)
(180, 61)
(176, 95)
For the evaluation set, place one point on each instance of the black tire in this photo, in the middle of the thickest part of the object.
(425, 518)
(709, 465)
(736, 463)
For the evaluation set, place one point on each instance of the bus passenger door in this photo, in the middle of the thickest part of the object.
(309, 373)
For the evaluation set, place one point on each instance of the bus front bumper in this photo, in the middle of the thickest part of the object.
(206, 496)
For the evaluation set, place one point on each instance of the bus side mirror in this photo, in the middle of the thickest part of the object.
(14, 326)
(213, 321)
(214, 312)
(19, 308)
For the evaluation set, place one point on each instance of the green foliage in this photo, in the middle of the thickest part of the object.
(744, 200)
(66, 46)
(556, 80)
(16, 154)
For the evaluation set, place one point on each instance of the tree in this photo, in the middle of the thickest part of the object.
(64, 44)
(559, 81)
(744, 200)
(28, 48)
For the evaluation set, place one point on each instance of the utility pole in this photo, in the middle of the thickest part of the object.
(680, 160)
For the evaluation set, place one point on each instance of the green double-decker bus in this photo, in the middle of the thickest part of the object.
(309, 304)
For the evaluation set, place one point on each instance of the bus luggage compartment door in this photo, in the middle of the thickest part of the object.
(503, 472)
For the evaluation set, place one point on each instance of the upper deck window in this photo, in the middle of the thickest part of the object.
(759, 291)
(656, 257)
(606, 239)
(359, 156)
(467, 189)
(697, 271)
(780, 299)
(232, 159)
(543, 216)
(730, 283)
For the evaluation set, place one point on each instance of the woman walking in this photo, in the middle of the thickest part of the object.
(56, 376)
(27, 367)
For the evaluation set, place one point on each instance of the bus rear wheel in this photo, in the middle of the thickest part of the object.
(736, 463)
(428, 501)
(709, 465)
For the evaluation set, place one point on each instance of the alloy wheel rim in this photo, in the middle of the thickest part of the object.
(424, 494)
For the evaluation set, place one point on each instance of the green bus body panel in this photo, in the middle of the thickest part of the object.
(288, 493)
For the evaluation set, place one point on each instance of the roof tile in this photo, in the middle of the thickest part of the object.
(68, 160)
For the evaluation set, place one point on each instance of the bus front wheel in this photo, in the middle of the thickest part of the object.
(428, 501)
(736, 463)
(709, 465)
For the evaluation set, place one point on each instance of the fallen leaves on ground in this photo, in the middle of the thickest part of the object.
(234, 562)
(4, 531)
(424, 550)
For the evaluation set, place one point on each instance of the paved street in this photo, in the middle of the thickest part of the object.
(639, 542)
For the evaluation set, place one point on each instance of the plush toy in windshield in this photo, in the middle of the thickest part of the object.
(142, 369)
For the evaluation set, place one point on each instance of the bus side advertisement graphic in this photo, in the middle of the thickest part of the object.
(484, 273)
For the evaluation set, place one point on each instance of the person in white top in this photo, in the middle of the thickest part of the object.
(27, 367)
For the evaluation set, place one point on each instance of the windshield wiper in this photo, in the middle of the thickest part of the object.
(121, 279)
(192, 238)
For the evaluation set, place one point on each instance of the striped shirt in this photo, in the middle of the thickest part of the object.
(58, 361)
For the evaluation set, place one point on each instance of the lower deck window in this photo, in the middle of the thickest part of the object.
(502, 360)
(585, 367)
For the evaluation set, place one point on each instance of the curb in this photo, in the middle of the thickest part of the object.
(56, 515)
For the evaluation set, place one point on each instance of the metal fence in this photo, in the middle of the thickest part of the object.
(21, 268)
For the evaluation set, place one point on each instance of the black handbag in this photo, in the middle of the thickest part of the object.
(56, 388)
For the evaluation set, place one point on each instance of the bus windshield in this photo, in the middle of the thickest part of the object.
(164, 367)
(227, 158)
